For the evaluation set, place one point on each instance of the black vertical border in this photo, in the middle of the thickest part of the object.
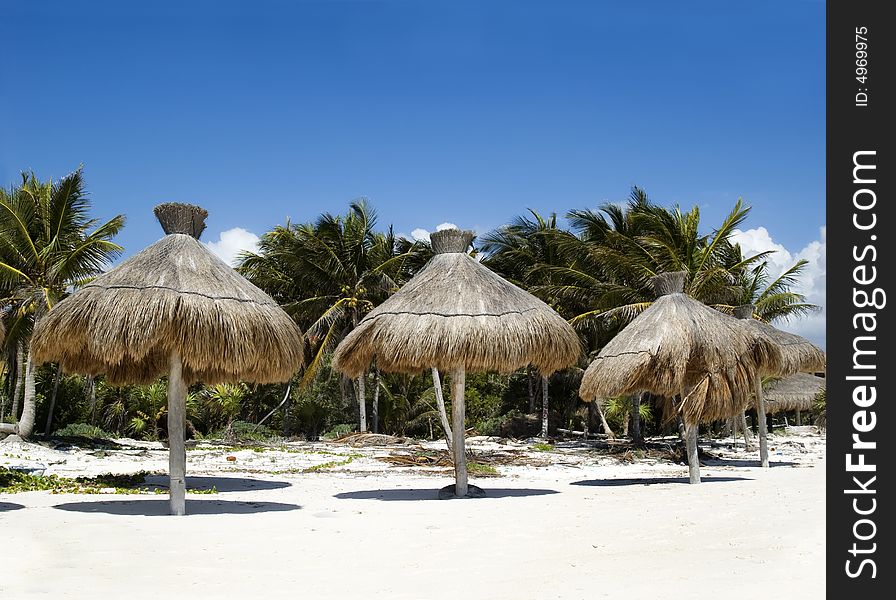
(852, 128)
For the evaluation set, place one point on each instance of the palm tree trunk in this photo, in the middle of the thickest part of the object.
(90, 388)
(458, 379)
(286, 407)
(748, 443)
(18, 382)
(376, 402)
(440, 402)
(360, 387)
(530, 380)
(544, 406)
(636, 420)
(362, 403)
(177, 453)
(2, 407)
(56, 379)
(9, 375)
(603, 420)
(345, 389)
(29, 401)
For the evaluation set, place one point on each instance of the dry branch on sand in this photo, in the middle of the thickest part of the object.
(363, 439)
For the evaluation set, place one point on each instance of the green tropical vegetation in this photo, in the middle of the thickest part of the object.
(592, 266)
(48, 244)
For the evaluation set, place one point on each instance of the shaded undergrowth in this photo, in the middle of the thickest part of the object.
(13, 482)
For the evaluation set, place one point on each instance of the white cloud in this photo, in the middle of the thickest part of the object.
(811, 283)
(231, 242)
(422, 235)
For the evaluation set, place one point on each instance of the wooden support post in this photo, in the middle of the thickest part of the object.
(693, 458)
(760, 417)
(177, 453)
(799, 418)
(458, 379)
(440, 402)
(544, 406)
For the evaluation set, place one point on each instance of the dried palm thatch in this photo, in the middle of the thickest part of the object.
(173, 308)
(173, 296)
(796, 392)
(797, 353)
(458, 313)
(679, 346)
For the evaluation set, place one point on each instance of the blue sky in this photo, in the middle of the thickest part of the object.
(436, 111)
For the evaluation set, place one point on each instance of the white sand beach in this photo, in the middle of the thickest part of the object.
(572, 523)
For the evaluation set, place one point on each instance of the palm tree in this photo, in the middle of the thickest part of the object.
(773, 299)
(329, 274)
(601, 280)
(597, 275)
(219, 405)
(48, 244)
(525, 252)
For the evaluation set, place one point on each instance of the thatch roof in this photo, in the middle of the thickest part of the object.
(173, 296)
(796, 392)
(458, 313)
(678, 344)
(797, 353)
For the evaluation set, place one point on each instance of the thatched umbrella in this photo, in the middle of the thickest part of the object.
(796, 392)
(797, 355)
(681, 347)
(177, 309)
(458, 315)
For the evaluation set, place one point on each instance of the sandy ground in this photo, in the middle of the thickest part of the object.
(573, 523)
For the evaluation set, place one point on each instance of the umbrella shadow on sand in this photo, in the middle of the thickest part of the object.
(745, 462)
(653, 481)
(221, 484)
(7, 506)
(429, 494)
(161, 507)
